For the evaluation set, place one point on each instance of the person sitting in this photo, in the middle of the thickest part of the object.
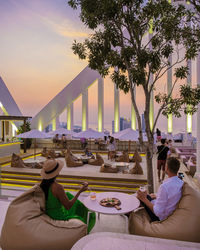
(64, 140)
(56, 139)
(172, 153)
(111, 148)
(169, 193)
(61, 205)
(89, 153)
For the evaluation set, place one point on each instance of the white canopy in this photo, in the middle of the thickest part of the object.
(61, 131)
(89, 133)
(128, 135)
(34, 133)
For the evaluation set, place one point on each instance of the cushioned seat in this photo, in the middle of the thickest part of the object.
(136, 157)
(27, 227)
(123, 158)
(182, 224)
(97, 162)
(137, 169)
(70, 162)
(17, 162)
(107, 168)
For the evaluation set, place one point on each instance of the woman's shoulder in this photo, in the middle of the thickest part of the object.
(56, 187)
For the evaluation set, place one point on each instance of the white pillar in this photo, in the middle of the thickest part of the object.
(57, 122)
(101, 105)
(133, 118)
(85, 110)
(169, 88)
(70, 116)
(189, 82)
(198, 120)
(116, 109)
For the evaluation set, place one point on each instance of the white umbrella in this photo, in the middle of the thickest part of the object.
(61, 131)
(129, 135)
(34, 134)
(89, 133)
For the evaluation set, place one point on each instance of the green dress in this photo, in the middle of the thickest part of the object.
(57, 211)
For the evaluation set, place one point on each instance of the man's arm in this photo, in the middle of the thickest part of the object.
(143, 197)
(159, 205)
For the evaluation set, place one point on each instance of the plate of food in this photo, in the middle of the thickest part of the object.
(110, 202)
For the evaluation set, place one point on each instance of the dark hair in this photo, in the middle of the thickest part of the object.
(45, 185)
(163, 141)
(173, 164)
(111, 139)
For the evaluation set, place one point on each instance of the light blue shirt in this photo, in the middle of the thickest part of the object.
(168, 196)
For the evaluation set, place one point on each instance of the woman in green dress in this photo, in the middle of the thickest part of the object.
(61, 205)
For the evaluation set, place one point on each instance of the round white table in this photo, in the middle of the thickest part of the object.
(128, 204)
(121, 165)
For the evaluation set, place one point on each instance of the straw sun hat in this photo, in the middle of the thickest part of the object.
(51, 168)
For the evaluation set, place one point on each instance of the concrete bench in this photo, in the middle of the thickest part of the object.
(113, 241)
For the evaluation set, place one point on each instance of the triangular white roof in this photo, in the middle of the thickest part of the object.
(7, 101)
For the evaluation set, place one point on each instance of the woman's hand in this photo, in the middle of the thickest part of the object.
(84, 187)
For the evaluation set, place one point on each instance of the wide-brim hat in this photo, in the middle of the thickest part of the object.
(51, 168)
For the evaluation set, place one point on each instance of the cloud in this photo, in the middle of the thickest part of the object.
(65, 29)
(54, 21)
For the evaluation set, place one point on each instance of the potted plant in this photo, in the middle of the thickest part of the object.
(21, 129)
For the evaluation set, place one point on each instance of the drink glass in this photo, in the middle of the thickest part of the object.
(93, 196)
(143, 188)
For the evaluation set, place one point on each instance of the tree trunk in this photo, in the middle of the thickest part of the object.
(149, 161)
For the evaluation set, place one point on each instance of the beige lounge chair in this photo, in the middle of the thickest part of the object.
(137, 169)
(27, 227)
(183, 224)
(97, 162)
(123, 158)
(107, 168)
(17, 162)
(136, 157)
(70, 162)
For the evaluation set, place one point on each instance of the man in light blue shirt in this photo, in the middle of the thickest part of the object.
(169, 193)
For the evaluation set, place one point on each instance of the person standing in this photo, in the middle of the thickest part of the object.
(161, 160)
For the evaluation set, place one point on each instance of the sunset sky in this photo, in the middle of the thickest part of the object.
(36, 60)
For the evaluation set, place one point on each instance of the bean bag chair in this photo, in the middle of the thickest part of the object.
(97, 162)
(137, 169)
(51, 154)
(107, 168)
(44, 152)
(136, 157)
(183, 224)
(27, 227)
(123, 158)
(70, 162)
(17, 162)
(69, 152)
